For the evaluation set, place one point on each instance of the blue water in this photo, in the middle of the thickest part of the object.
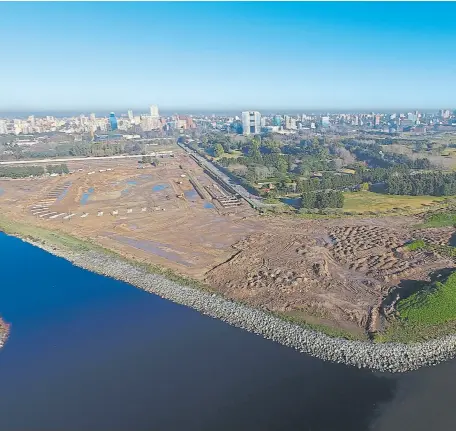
(64, 193)
(208, 205)
(294, 202)
(1, 191)
(90, 353)
(191, 194)
(159, 187)
(85, 197)
(132, 183)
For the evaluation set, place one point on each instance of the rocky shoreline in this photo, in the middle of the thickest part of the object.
(4, 332)
(388, 357)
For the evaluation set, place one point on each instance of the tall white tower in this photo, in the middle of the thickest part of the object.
(251, 122)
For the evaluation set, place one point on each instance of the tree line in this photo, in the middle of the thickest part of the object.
(432, 183)
(31, 171)
(322, 199)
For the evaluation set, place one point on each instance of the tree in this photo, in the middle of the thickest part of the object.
(218, 150)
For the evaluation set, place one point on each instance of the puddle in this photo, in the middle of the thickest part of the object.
(152, 247)
(191, 194)
(1, 191)
(86, 196)
(132, 183)
(208, 205)
(63, 194)
(159, 187)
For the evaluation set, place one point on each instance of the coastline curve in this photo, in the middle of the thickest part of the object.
(387, 357)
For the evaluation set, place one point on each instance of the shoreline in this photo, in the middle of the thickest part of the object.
(4, 332)
(387, 357)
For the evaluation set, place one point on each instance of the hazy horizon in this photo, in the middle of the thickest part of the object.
(208, 111)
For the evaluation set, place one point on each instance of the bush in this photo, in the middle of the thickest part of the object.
(417, 244)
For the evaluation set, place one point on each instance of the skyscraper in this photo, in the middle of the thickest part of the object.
(112, 122)
(251, 122)
(155, 117)
(154, 111)
(130, 115)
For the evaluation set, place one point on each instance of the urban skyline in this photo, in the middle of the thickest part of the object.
(305, 56)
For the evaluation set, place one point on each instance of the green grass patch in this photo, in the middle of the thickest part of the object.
(370, 201)
(426, 314)
(434, 305)
(441, 219)
(417, 244)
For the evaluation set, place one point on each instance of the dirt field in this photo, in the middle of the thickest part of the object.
(337, 272)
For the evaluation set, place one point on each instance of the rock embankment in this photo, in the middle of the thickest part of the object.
(4, 332)
(392, 357)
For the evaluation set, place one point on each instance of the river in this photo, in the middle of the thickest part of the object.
(90, 353)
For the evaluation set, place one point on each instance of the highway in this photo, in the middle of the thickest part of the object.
(252, 200)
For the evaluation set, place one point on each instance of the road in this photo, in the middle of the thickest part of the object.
(252, 200)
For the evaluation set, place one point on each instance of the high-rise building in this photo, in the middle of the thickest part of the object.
(112, 122)
(325, 121)
(130, 115)
(155, 117)
(251, 122)
(3, 127)
(154, 111)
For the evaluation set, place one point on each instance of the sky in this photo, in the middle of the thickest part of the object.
(216, 56)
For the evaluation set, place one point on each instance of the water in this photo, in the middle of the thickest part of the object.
(90, 353)
(208, 205)
(294, 202)
(85, 197)
(191, 194)
(64, 193)
(159, 187)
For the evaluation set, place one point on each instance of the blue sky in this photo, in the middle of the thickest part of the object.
(103, 56)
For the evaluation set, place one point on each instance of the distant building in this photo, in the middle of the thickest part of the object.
(154, 116)
(130, 115)
(277, 120)
(154, 111)
(112, 122)
(251, 122)
(325, 122)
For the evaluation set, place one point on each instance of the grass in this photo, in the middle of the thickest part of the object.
(434, 305)
(370, 201)
(417, 244)
(426, 314)
(441, 219)
(233, 155)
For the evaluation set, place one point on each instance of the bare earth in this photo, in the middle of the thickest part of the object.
(336, 272)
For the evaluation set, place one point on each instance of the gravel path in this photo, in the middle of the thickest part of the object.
(392, 357)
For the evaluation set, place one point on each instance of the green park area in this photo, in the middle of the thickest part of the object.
(428, 313)
(361, 202)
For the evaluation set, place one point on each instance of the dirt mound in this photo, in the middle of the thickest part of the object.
(339, 272)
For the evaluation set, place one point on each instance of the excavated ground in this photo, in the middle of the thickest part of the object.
(336, 272)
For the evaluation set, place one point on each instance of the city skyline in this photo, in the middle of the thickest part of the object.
(301, 56)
